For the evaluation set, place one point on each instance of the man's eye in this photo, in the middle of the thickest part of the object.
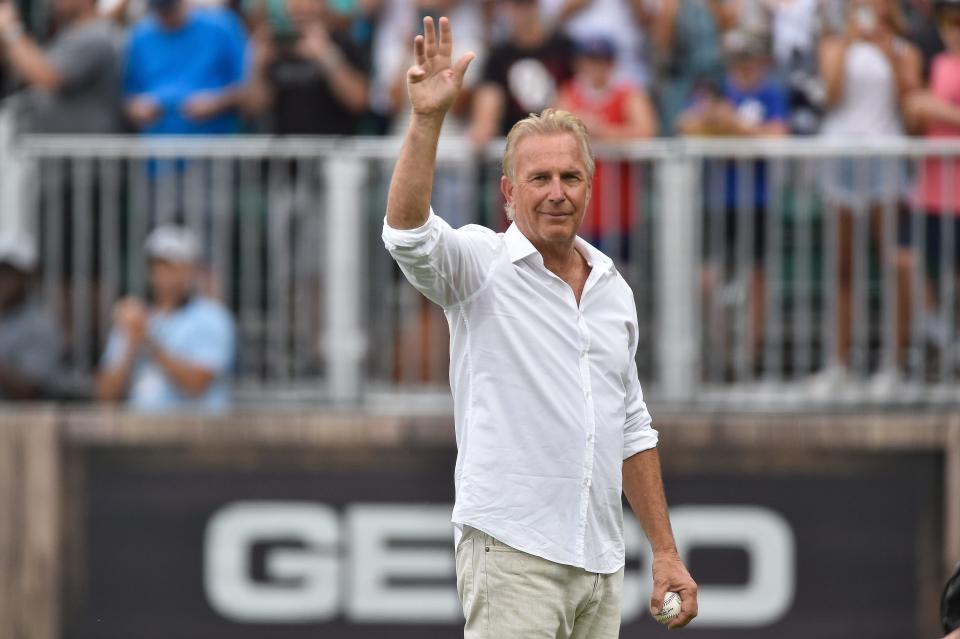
(539, 178)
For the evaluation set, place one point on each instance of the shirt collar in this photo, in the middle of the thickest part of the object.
(519, 247)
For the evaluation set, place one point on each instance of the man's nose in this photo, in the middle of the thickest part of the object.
(556, 190)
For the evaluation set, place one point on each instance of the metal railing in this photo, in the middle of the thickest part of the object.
(767, 273)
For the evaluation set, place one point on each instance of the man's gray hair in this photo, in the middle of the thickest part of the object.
(548, 122)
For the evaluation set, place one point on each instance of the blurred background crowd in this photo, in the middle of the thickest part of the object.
(631, 69)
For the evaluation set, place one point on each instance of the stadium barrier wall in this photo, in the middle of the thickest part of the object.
(309, 522)
(291, 229)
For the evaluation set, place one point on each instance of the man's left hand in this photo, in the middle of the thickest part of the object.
(203, 106)
(670, 575)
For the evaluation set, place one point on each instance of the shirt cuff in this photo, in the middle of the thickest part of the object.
(395, 239)
(639, 440)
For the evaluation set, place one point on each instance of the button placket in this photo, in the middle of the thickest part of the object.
(583, 333)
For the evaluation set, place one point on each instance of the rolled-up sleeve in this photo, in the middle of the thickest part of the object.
(638, 432)
(447, 265)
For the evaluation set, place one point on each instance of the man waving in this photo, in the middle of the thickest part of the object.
(551, 425)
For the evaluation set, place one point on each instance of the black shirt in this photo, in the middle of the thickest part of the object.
(529, 77)
(304, 103)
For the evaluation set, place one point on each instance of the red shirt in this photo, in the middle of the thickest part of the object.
(945, 85)
(615, 189)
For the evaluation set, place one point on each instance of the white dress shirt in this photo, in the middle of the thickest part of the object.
(546, 397)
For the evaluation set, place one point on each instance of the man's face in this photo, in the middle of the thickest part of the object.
(551, 190)
(170, 280)
(948, 23)
(595, 71)
(522, 13)
(747, 71)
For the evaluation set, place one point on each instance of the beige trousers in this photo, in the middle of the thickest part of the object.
(509, 594)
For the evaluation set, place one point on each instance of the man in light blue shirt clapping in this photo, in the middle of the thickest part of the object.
(177, 354)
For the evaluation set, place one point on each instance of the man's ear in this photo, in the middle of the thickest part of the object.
(506, 188)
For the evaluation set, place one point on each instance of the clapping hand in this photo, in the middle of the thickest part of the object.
(434, 81)
(131, 316)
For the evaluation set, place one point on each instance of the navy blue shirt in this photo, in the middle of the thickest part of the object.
(762, 105)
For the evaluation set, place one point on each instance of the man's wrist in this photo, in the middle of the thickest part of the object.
(665, 551)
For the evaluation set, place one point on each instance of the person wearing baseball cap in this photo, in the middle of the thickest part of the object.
(175, 354)
(30, 337)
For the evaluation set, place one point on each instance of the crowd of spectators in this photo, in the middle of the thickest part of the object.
(337, 66)
(631, 69)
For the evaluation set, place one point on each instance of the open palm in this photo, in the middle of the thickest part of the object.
(434, 81)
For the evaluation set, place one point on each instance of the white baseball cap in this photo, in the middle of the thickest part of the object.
(19, 250)
(172, 244)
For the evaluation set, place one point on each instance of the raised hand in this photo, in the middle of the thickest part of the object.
(434, 81)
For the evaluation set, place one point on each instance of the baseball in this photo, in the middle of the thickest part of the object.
(670, 609)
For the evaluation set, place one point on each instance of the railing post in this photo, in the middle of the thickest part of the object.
(344, 267)
(9, 212)
(678, 341)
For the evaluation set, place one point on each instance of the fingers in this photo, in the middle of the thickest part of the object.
(461, 66)
(446, 37)
(688, 608)
(656, 600)
(430, 37)
(418, 51)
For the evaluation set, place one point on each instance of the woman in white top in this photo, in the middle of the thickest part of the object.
(867, 71)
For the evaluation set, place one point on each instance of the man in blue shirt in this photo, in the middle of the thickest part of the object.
(184, 70)
(749, 104)
(178, 354)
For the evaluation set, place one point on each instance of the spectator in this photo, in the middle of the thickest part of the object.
(309, 78)
(624, 21)
(73, 86)
(868, 74)
(950, 606)
(794, 27)
(750, 104)
(521, 76)
(685, 37)
(936, 112)
(184, 70)
(922, 31)
(394, 56)
(30, 339)
(613, 111)
(176, 355)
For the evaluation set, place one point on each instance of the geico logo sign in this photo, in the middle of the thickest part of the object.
(369, 563)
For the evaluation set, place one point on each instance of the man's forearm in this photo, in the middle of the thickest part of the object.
(112, 383)
(189, 378)
(408, 202)
(643, 485)
(30, 64)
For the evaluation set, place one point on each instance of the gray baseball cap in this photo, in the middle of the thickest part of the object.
(172, 243)
(19, 250)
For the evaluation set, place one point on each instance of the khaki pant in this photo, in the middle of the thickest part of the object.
(509, 594)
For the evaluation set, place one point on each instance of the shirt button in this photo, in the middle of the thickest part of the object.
(583, 354)
(586, 393)
(590, 437)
